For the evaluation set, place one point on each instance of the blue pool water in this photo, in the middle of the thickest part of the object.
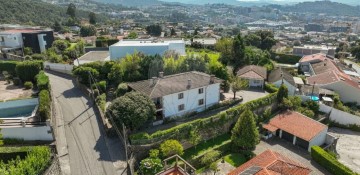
(14, 112)
(314, 98)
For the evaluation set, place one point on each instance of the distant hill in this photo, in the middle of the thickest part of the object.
(34, 12)
(333, 8)
(131, 3)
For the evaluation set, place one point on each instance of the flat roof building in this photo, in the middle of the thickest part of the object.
(148, 47)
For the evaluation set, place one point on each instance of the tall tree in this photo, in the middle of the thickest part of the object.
(57, 26)
(282, 93)
(71, 10)
(238, 84)
(238, 57)
(92, 18)
(245, 134)
(87, 31)
(172, 32)
(154, 30)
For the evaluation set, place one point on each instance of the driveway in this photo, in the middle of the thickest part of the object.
(348, 147)
(247, 95)
(293, 152)
(82, 145)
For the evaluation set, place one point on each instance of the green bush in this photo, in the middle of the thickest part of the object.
(27, 70)
(121, 89)
(101, 85)
(150, 166)
(210, 157)
(8, 66)
(36, 162)
(285, 58)
(330, 163)
(211, 125)
(171, 147)
(42, 81)
(44, 105)
(101, 101)
(28, 85)
(271, 88)
(83, 74)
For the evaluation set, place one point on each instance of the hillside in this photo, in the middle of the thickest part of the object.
(33, 12)
(331, 8)
(130, 3)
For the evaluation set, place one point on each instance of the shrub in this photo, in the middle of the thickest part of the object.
(83, 74)
(8, 66)
(38, 57)
(282, 93)
(101, 101)
(150, 166)
(101, 85)
(153, 153)
(171, 147)
(329, 162)
(28, 85)
(27, 70)
(42, 81)
(285, 58)
(210, 157)
(312, 105)
(44, 105)
(121, 89)
(271, 88)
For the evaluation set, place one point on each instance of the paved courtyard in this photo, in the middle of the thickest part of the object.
(348, 147)
(293, 152)
(247, 95)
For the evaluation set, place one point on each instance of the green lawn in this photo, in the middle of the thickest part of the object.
(204, 147)
(235, 159)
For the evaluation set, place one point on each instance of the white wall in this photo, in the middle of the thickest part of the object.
(291, 88)
(344, 117)
(191, 100)
(62, 68)
(118, 52)
(325, 108)
(28, 133)
(178, 47)
(347, 92)
(12, 40)
(318, 139)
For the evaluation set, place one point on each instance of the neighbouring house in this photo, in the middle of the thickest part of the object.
(92, 56)
(17, 39)
(309, 50)
(255, 74)
(179, 94)
(146, 46)
(279, 76)
(298, 129)
(325, 73)
(270, 163)
(306, 61)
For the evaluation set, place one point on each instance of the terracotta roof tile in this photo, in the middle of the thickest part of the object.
(272, 163)
(297, 124)
(275, 76)
(255, 72)
(313, 58)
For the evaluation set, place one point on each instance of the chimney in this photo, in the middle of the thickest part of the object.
(212, 79)
(189, 83)
(161, 74)
(153, 81)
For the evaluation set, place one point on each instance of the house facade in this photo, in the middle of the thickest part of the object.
(255, 74)
(180, 94)
(279, 77)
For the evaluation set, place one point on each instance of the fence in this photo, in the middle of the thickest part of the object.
(62, 68)
(339, 116)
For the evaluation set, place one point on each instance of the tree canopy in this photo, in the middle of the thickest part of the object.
(245, 134)
(133, 109)
(171, 147)
(71, 10)
(154, 30)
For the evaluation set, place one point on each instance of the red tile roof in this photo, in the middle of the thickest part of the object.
(252, 71)
(313, 57)
(332, 77)
(297, 124)
(272, 163)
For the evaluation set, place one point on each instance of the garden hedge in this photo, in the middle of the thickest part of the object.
(329, 162)
(270, 88)
(8, 66)
(27, 70)
(285, 58)
(42, 81)
(211, 125)
(44, 105)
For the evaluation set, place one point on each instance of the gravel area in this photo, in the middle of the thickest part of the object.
(348, 147)
(9, 91)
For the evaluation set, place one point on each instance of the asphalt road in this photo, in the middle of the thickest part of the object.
(82, 145)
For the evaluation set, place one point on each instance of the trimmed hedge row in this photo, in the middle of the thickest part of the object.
(285, 58)
(42, 81)
(27, 70)
(212, 125)
(44, 105)
(329, 162)
(8, 66)
(270, 88)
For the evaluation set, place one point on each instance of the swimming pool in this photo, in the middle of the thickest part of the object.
(18, 108)
(314, 98)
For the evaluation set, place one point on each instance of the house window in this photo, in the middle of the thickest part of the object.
(256, 81)
(201, 102)
(181, 95)
(181, 107)
(201, 90)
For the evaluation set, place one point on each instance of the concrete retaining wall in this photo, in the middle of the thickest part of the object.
(62, 68)
(28, 133)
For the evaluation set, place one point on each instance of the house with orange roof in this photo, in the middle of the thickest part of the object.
(270, 163)
(297, 128)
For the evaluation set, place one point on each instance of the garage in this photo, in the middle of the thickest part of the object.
(291, 124)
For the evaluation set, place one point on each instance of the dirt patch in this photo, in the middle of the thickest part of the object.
(10, 91)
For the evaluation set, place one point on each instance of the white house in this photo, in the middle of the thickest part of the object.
(10, 39)
(297, 128)
(311, 49)
(255, 74)
(179, 94)
(279, 76)
(148, 47)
